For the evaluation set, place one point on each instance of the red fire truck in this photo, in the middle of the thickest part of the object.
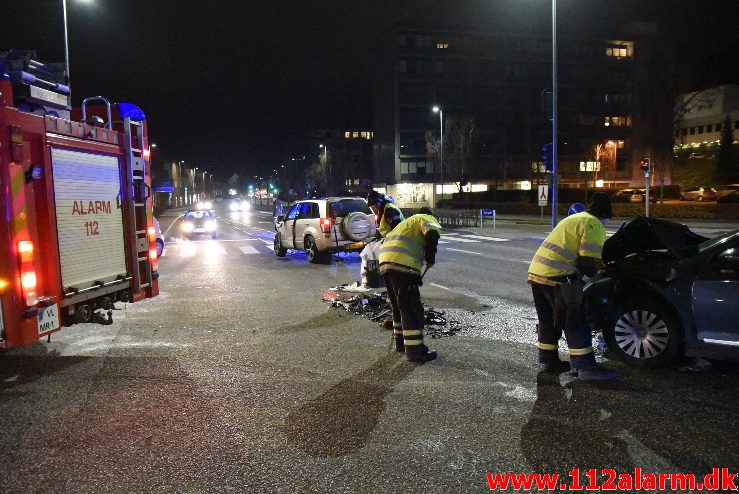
(77, 230)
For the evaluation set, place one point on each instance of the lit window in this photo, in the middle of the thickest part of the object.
(442, 46)
(617, 121)
(618, 50)
(355, 134)
(363, 135)
(347, 135)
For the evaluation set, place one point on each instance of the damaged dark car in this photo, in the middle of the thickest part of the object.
(666, 293)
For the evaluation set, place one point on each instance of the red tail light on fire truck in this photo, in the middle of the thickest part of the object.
(28, 273)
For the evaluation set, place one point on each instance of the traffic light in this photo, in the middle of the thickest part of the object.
(645, 164)
(546, 156)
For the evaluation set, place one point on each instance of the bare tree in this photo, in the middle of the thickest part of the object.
(433, 151)
(459, 135)
(687, 102)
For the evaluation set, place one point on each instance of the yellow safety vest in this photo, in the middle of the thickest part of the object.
(579, 235)
(405, 244)
(385, 227)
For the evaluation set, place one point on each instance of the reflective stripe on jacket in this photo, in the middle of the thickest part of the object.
(395, 215)
(579, 235)
(405, 244)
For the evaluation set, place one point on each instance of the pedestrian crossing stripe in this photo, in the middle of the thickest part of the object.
(491, 239)
(460, 239)
(248, 250)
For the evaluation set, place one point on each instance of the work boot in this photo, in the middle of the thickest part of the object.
(554, 367)
(595, 373)
(398, 343)
(387, 324)
(419, 353)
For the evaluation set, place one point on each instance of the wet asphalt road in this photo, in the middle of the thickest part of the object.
(237, 378)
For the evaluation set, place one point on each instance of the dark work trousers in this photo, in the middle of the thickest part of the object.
(554, 317)
(408, 315)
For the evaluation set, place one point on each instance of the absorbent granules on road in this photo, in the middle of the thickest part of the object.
(375, 307)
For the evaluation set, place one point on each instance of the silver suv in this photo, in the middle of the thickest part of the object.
(322, 226)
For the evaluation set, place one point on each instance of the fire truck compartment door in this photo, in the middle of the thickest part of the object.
(89, 221)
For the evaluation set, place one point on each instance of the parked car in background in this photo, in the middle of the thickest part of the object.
(731, 198)
(642, 195)
(322, 226)
(667, 292)
(628, 195)
(725, 190)
(698, 194)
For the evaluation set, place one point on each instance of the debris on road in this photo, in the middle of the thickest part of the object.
(375, 307)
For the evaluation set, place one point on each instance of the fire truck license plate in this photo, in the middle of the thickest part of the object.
(48, 318)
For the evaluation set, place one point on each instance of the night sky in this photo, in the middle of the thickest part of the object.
(233, 86)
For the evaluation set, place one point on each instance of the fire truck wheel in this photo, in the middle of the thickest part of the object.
(82, 312)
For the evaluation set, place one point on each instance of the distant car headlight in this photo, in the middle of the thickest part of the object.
(234, 206)
(244, 206)
(187, 226)
(210, 226)
(208, 205)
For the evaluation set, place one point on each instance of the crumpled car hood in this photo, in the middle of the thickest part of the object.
(646, 234)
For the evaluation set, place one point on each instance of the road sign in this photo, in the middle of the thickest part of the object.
(543, 195)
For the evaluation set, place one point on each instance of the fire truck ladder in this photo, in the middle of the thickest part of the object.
(139, 192)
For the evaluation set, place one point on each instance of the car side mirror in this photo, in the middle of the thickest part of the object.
(728, 261)
(280, 219)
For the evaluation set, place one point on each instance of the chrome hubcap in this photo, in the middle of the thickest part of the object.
(641, 334)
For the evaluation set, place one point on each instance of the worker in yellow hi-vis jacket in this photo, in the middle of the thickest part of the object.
(402, 254)
(571, 250)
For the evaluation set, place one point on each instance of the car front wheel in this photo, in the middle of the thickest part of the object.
(644, 334)
(280, 251)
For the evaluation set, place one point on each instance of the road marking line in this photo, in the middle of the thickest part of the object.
(439, 286)
(465, 251)
(444, 242)
(464, 240)
(482, 237)
(248, 250)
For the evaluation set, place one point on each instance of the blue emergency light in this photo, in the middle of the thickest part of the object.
(129, 110)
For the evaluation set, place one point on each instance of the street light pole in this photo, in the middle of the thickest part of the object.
(66, 47)
(555, 177)
(441, 147)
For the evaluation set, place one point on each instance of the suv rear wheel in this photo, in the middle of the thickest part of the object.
(644, 334)
(311, 251)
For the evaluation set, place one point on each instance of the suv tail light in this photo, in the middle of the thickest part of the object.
(326, 224)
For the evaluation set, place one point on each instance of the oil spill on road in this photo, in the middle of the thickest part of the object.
(340, 420)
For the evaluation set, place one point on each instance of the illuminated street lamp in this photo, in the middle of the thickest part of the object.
(66, 42)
